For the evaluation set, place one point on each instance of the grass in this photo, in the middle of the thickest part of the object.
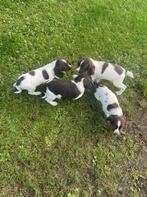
(68, 150)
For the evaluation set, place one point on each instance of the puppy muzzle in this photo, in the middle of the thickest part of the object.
(117, 132)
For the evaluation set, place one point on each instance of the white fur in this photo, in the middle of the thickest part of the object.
(80, 87)
(116, 131)
(107, 97)
(31, 82)
(109, 74)
(50, 97)
(129, 74)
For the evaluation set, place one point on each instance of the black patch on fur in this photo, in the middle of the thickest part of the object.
(41, 88)
(112, 106)
(118, 69)
(66, 88)
(105, 65)
(45, 74)
(20, 80)
(32, 72)
(86, 66)
(61, 66)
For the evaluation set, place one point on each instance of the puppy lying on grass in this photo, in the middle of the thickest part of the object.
(102, 70)
(110, 107)
(66, 89)
(29, 81)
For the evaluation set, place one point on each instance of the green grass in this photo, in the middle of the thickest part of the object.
(68, 150)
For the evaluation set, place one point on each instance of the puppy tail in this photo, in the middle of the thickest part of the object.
(14, 85)
(129, 74)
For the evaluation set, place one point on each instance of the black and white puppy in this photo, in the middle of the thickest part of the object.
(29, 81)
(101, 70)
(110, 107)
(66, 89)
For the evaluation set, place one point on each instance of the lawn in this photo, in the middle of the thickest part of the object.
(70, 150)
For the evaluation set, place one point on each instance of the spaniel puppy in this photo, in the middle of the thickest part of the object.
(101, 70)
(66, 89)
(110, 107)
(29, 81)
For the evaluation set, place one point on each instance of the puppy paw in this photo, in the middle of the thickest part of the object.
(118, 93)
(43, 97)
(58, 96)
(74, 76)
(18, 92)
(34, 93)
(54, 103)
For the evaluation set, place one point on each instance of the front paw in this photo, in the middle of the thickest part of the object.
(118, 93)
(74, 76)
(44, 97)
(54, 103)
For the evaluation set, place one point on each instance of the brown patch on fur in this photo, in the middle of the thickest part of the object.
(45, 74)
(105, 65)
(118, 69)
(32, 72)
(86, 66)
(20, 80)
(112, 106)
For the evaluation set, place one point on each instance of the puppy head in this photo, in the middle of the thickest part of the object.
(87, 82)
(117, 123)
(86, 66)
(61, 66)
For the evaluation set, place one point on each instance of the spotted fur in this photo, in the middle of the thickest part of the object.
(31, 80)
(99, 70)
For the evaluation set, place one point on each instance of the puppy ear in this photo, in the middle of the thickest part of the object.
(91, 68)
(79, 62)
(109, 118)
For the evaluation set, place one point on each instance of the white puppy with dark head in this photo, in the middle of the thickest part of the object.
(101, 70)
(110, 107)
(66, 89)
(29, 81)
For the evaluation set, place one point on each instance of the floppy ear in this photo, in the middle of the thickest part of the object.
(91, 68)
(89, 85)
(79, 62)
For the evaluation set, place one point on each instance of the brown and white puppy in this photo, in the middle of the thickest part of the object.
(66, 89)
(110, 107)
(99, 70)
(31, 80)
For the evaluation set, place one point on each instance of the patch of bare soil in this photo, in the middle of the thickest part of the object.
(136, 183)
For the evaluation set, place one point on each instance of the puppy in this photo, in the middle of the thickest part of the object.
(66, 89)
(101, 70)
(110, 107)
(34, 78)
